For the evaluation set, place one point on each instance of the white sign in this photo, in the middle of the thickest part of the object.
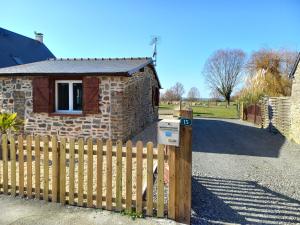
(168, 132)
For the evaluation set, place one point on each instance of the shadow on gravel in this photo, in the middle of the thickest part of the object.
(225, 137)
(217, 201)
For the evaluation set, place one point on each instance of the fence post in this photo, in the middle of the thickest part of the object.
(58, 172)
(183, 174)
(242, 111)
(254, 114)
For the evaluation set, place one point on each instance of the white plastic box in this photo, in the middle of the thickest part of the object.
(168, 132)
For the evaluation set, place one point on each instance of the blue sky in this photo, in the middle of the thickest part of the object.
(190, 31)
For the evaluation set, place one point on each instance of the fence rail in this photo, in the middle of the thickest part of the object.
(111, 177)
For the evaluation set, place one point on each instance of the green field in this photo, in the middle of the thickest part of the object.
(216, 112)
(213, 111)
(166, 106)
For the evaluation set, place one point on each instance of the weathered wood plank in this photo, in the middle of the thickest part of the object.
(29, 166)
(46, 168)
(37, 167)
(187, 177)
(139, 177)
(99, 173)
(21, 165)
(172, 168)
(72, 171)
(80, 171)
(90, 173)
(5, 163)
(160, 182)
(119, 177)
(183, 177)
(62, 175)
(128, 175)
(54, 169)
(149, 210)
(109, 175)
(13, 165)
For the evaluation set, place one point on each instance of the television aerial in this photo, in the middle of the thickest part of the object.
(154, 42)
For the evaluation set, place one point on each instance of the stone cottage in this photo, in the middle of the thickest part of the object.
(295, 102)
(103, 98)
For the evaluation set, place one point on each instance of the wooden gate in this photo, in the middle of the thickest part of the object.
(252, 113)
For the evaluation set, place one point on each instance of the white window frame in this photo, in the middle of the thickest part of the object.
(70, 82)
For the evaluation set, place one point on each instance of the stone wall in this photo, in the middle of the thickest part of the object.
(139, 110)
(125, 106)
(295, 109)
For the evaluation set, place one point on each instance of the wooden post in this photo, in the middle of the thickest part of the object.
(254, 114)
(90, 173)
(54, 169)
(5, 163)
(21, 165)
(46, 168)
(149, 179)
(183, 175)
(172, 184)
(128, 175)
(80, 171)
(62, 171)
(13, 165)
(29, 165)
(58, 173)
(242, 111)
(37, 166)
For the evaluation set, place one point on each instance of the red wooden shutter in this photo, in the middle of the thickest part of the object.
(90, 95)
(41, 94)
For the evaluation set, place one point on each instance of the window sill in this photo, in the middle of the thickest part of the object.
(66, 114)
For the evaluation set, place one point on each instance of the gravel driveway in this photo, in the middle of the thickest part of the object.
(243, 175)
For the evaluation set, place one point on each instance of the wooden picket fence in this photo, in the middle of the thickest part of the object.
(35, 152)
(96, 174)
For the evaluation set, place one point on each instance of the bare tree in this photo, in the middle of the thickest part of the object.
(168, 95)
(193, 94)
(215, 96)
(174, 93)
(223, 71)
(178, 91)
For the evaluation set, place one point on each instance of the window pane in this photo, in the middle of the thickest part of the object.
(63, 96)
(77, 96)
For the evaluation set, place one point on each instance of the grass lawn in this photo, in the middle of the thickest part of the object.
(216, 112)
(166, 106)
(213, 111)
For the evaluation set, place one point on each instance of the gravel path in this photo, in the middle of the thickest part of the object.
(243, 175)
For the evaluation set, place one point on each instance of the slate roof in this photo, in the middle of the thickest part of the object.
(79, 66)
(17, 49)
(295, 66)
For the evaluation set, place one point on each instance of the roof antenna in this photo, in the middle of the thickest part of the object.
(154, 42)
